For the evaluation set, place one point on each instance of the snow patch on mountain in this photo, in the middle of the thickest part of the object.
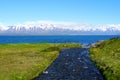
(51, 27)
(3, 27)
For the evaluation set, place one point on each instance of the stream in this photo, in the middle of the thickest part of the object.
(72, 64)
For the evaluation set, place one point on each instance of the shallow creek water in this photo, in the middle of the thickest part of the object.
(72, 64)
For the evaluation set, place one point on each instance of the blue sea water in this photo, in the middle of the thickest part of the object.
(83, 39)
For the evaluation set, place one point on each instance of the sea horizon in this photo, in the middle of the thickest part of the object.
(82, 39)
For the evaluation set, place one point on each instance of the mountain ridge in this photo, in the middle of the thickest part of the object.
(59, 29)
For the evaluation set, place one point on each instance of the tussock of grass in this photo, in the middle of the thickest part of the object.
(26, 61)
(107, 58)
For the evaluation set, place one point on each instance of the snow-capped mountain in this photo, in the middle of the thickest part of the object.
(59, 28)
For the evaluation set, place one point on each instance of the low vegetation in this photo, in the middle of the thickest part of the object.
(106, 56)
(26, 61)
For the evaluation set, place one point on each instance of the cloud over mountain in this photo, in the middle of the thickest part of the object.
(59, 28)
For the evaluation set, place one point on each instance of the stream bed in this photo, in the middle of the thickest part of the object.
(72, 64)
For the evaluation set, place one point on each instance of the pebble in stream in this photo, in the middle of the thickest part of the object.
(71, 64)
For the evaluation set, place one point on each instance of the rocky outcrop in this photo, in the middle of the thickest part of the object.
(93, 45)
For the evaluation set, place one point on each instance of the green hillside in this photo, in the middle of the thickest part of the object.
(26, 61)
(107, 58)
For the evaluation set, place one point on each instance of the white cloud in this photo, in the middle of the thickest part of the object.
(48, 22)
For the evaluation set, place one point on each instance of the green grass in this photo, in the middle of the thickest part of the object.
(26, 61)
(107, 58)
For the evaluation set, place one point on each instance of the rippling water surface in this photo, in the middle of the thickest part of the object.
(84, 39)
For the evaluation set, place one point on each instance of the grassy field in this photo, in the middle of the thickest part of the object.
(26, 61)
(107, 58)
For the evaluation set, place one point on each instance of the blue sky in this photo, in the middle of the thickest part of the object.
(83, 11)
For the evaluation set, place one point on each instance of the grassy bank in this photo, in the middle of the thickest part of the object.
(26, 61)
(107, 58)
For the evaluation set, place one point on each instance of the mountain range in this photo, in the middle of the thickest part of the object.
(61, 28)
